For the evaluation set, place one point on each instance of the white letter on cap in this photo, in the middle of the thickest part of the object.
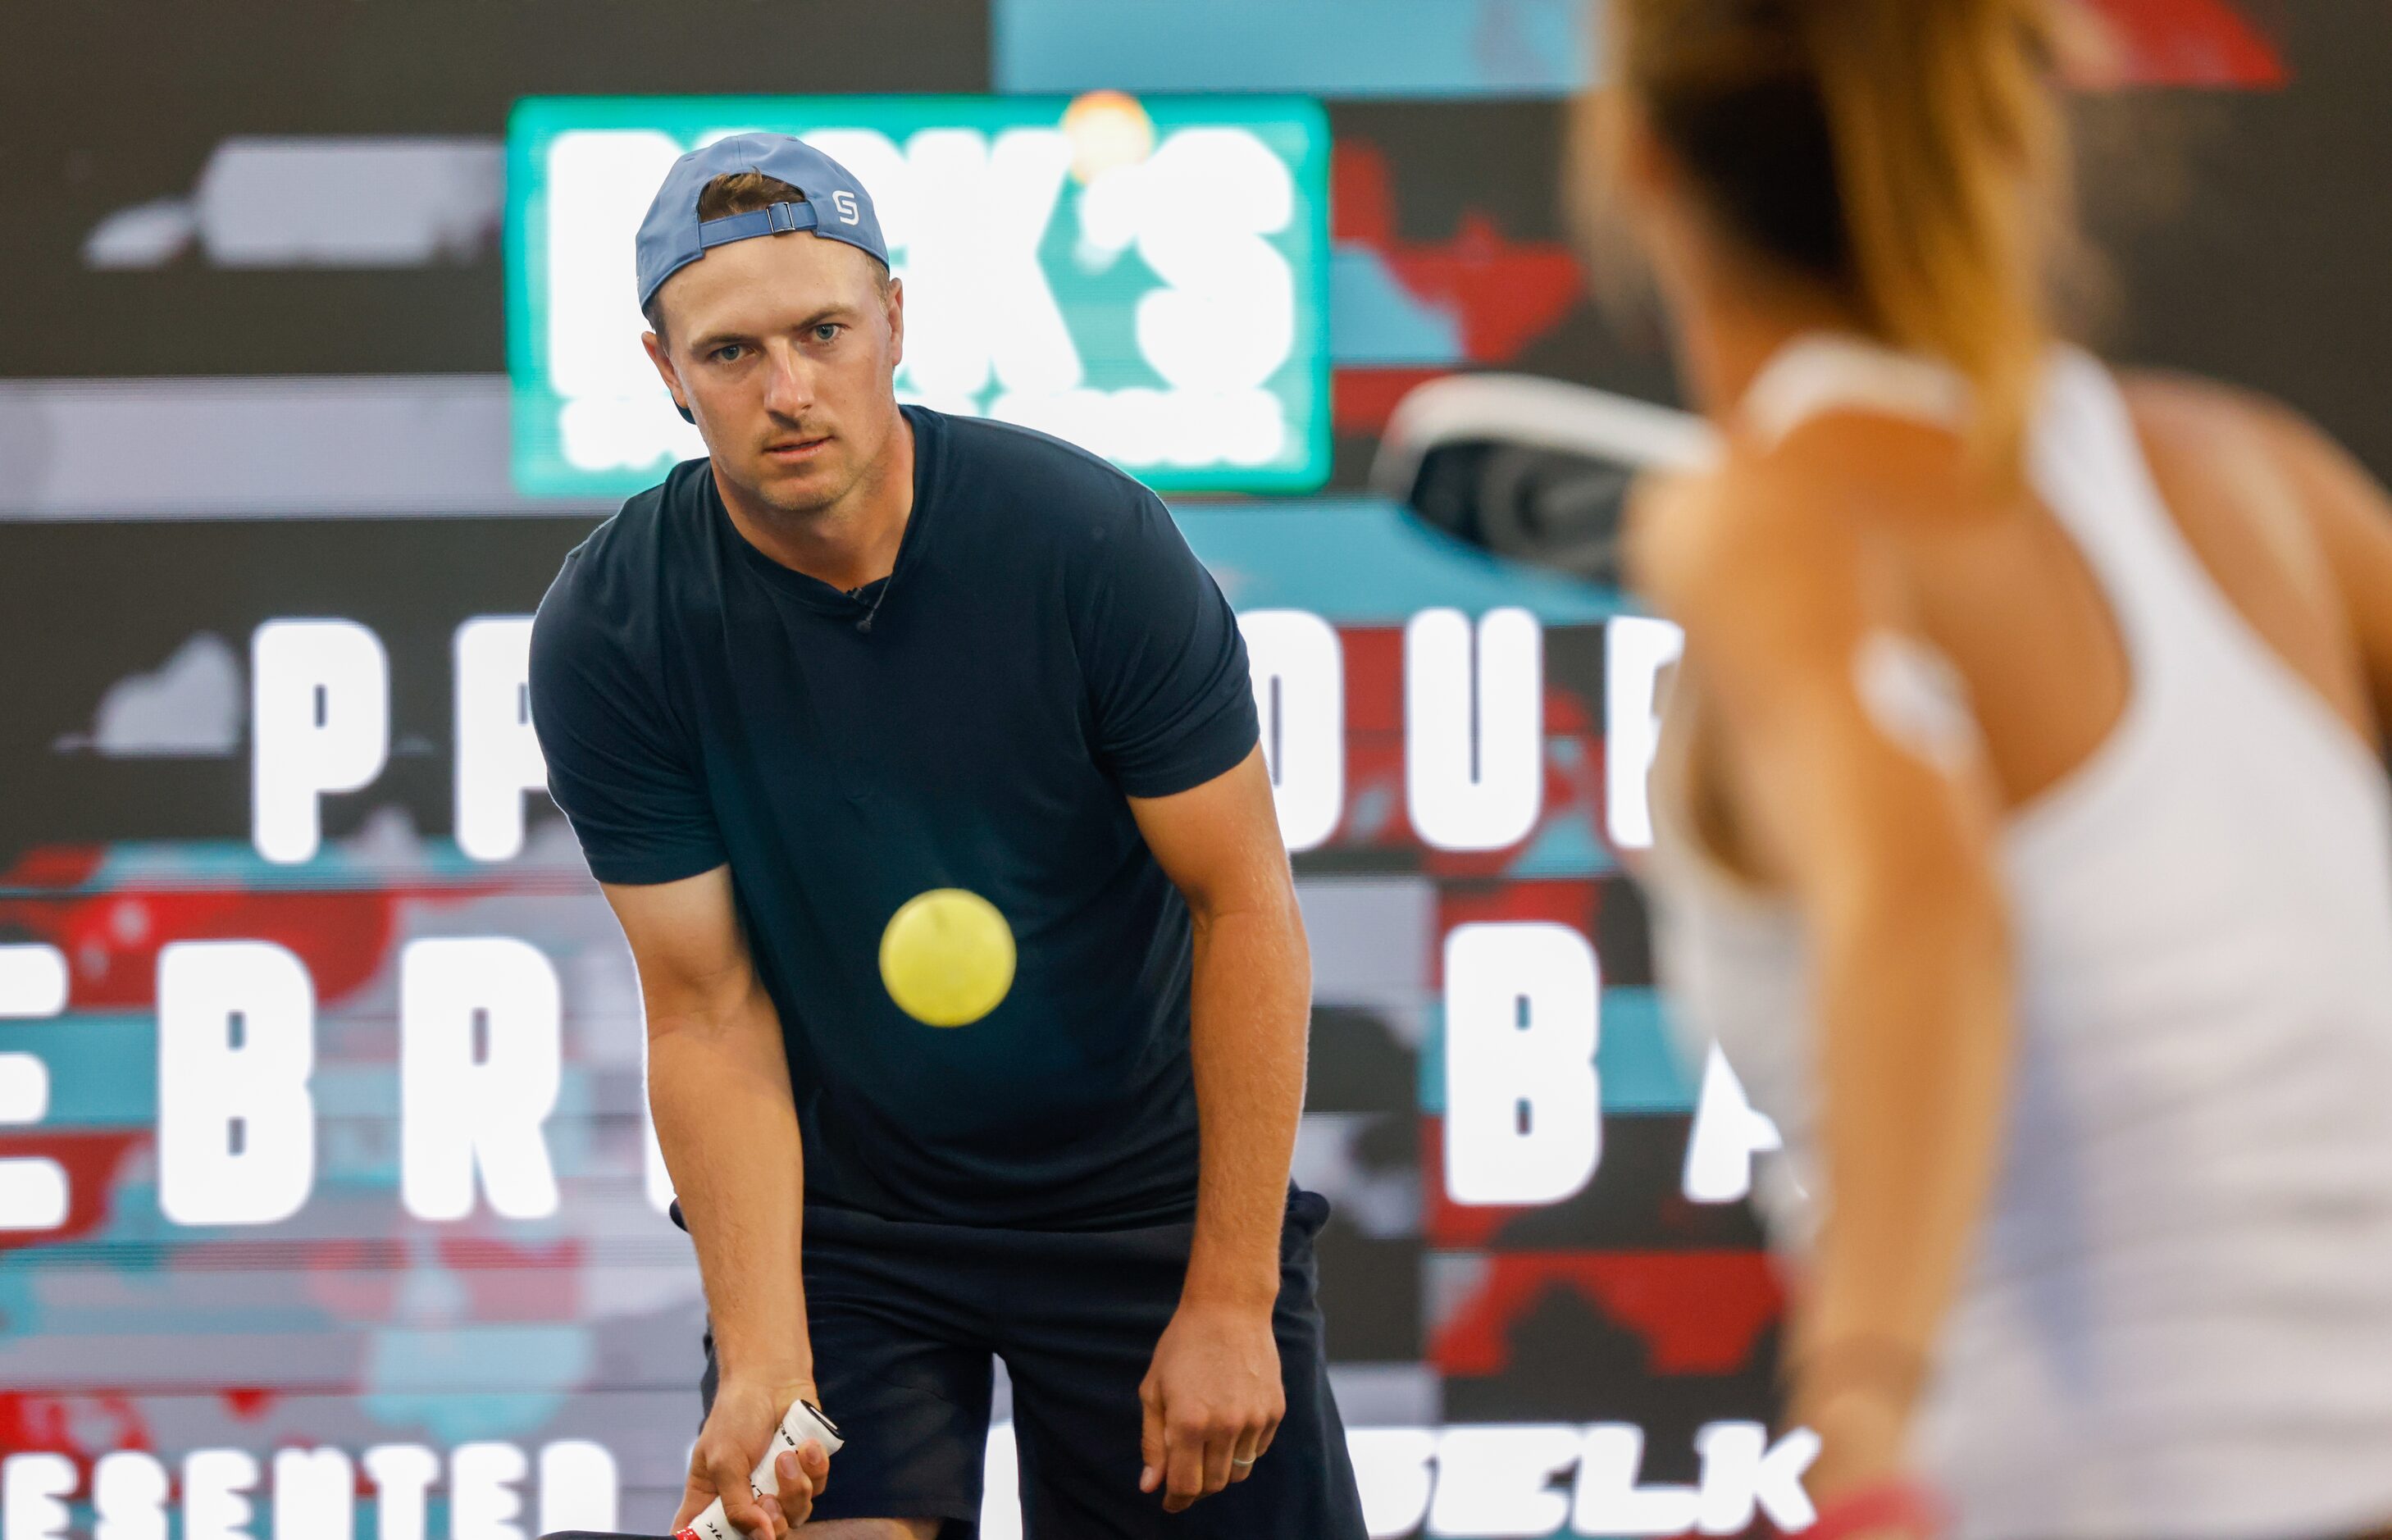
(1523, 1109)
(1474, 737)
(466, 1104)
(1635, 651)
(498, 755)
(1299, 672)
(320, 721)
(236, 1046)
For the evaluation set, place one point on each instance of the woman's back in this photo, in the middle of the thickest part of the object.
(2193, 1220)
(2002, 589)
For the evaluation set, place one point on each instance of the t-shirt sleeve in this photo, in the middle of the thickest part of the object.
(1166, 666)
(617, 763)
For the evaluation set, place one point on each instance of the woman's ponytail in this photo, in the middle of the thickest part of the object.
(1948, 156)
(1908, 152)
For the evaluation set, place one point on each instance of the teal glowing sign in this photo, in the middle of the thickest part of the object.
(1147, 280)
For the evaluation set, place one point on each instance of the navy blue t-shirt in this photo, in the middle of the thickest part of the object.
(1046, 646)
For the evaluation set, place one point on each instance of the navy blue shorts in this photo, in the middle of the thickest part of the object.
(906, 1316)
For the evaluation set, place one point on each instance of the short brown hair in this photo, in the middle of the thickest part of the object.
(739, 192)
(743, 192)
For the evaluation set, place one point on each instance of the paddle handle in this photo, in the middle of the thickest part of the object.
(803, 1425)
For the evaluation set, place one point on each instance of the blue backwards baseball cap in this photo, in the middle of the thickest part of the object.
(836, 206)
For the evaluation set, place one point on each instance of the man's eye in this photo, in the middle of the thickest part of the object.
(727, 352)
(828, 330)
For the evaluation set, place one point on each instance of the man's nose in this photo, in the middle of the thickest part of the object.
(788, 380)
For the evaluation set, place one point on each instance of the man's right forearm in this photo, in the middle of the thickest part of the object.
(719, 1085)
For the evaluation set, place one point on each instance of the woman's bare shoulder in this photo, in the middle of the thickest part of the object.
(1790, 521)
(2244, 475)
(2211, 424)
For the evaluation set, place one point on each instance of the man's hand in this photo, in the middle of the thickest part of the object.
(1213, 1401)
(747, 1412)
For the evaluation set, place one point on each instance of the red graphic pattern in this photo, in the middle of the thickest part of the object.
(1503, 293)
(111, 940)
(1701, 1312)
(2204, 44)
(80, 1425)
(91, 1158)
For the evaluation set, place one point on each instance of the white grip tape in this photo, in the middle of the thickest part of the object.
(801, 1426)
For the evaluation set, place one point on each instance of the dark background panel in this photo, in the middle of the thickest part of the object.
(116, 104)
(84, 605)
(2249, 234)
(2245, 232)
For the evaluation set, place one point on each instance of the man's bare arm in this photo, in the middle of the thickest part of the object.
(1215, 1395)
(1251, 1000)
(719, 1087)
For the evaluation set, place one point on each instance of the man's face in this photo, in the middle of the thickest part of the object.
(784, 349)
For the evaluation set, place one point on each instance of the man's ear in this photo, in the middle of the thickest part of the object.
(896, 322)
(663, 361)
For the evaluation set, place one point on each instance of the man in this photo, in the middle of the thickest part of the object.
(862, 654)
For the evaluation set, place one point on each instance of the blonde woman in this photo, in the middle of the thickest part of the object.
(2024, 835)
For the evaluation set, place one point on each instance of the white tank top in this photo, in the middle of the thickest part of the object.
(2178, 1323)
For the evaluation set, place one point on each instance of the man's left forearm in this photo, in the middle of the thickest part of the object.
(1250, 1005)
(1214, 1397)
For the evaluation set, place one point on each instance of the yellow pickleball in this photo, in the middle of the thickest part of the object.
(947, 956)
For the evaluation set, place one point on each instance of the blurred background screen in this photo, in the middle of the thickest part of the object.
(319, 354)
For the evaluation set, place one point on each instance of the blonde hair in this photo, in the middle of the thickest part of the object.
(1910, 153)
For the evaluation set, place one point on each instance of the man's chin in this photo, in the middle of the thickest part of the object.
(797, 489)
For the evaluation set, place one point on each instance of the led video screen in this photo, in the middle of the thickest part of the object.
(326, 1136)
(329, 1209)
(1147, 279)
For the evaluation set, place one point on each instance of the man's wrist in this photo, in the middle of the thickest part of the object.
(1231, 1286)
(779, 1371)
